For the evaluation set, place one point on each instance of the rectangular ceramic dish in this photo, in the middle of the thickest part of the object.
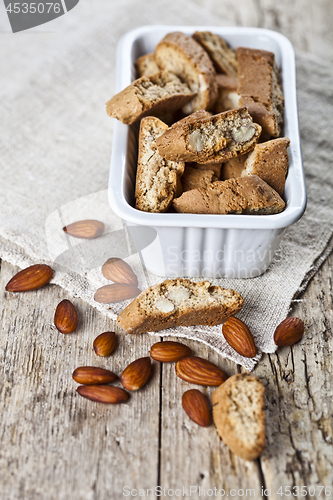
(196, 245)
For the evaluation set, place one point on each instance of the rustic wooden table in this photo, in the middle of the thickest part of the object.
(57, 446)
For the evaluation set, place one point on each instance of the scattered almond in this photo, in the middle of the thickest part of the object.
(85, 229)
(105, 344)
(197, 408)
(119, 271)
(116, 293)
(31, 278)
(136, 374)
(169, 351)
(103, 393)
(65, 317)
(92, 375)
(199, 371)
(289, 332)
(239, 337)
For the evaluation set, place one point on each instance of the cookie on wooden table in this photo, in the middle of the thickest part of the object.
(259, 88)
(149, 95)
(184, 57)
(238, 413)
(179, 302)
(223, 56)
(157, 179)
(244, 195)
(213, 139)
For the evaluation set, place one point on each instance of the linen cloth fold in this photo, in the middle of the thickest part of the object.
(56, 143)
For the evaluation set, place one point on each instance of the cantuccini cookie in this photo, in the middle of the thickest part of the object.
(179, 302)
(194, 178)
(146, 65)
(227, 97)
(223, 56)
(238, 413)
(213, 139)
(157, 179)
(149, 95)
(259, 88)
(244, 195)
(184, 57)
(269, 160)
(233, 168)
(216, 167)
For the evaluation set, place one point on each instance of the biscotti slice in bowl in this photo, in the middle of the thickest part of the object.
(149, 95)
(243, 195)
(194, 178)
(179, 302)
(259, 88)
(223, 56)
(227, 97)
(146, 65)
(183, 56)
(213, 139)
(157, 179)
(269, 160)
(238, 413)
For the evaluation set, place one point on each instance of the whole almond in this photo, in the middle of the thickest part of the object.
(119, 271)
(103, 393)
(289, 331)
(169, 351)
(199, 371)
(85, 229)
(31, 278)
(65, 317)
(92, 375)
(197, 408)
(105, 344)
(136, 374)
(116, 293)
(239, 337)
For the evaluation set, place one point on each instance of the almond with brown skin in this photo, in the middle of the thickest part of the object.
(119, 271)
(103, 394)
(85, 229)
(136, 374)
(197, 408)
(92, 375)
(169, 351)
(31, 278)
(289, 332)
(105, 344)
(199, 371)
(65, 317)
(239, 337)
(116, 293)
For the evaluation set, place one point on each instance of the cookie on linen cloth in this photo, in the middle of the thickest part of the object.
(179, 302)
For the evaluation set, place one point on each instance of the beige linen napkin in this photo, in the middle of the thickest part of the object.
(56, 144)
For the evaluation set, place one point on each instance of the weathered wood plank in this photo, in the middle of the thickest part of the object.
(299, 383)
(53, 442)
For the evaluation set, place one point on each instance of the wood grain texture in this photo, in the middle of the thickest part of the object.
(56, 445)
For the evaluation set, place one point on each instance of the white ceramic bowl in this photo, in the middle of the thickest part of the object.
(194, 245)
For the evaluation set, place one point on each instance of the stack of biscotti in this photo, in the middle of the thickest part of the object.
(209, 114)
